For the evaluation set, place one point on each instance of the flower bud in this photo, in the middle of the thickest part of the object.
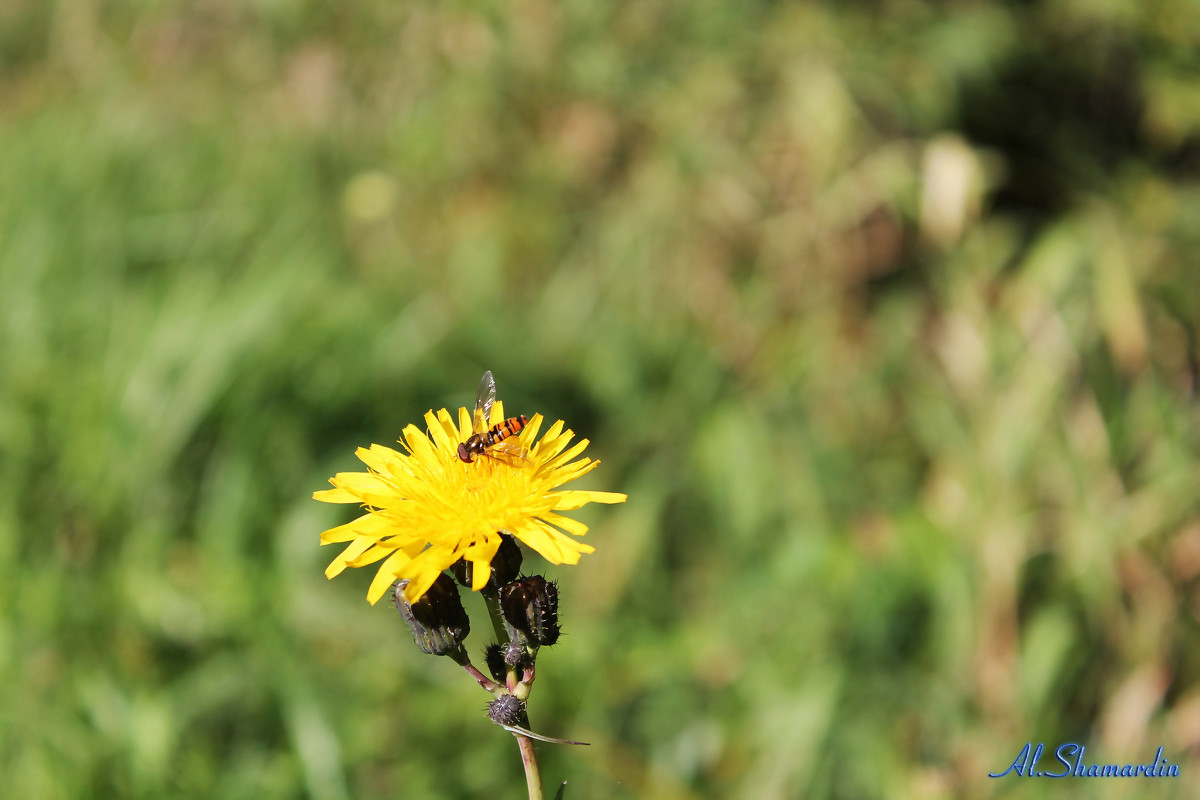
(530, 605)
(514, 651)
(437, 620)
(507, 710)
(493, 656)
(506, 564)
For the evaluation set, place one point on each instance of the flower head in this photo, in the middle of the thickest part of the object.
(427, 508)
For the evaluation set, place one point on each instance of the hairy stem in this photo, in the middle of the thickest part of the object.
(491, 598)
(487, 683)
(533, 775)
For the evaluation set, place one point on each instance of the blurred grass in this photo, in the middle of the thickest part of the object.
(885, 317)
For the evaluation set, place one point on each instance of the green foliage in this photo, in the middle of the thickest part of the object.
(884, 315)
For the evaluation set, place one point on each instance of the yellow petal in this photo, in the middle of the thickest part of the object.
(481, 572)
(541, 542)
(440, 437)
(349, 554)
(569, 472)
(554, 431)
(550, 446)
(368, 487)
(336, 495)
(555, 547)
(568, 500)
(480, 555)
(400, 470)
(369, 525)
(423, 570)
(377, 457)
(425, 453)
(575, 450)
(371, 554)
(571, 526)
(529, 435)
(360, 483)
(386, 575)
(420, 583)
(451, 429)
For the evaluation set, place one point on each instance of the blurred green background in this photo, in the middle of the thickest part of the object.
(883, 314)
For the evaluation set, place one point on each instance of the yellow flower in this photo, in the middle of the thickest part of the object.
(427, 508)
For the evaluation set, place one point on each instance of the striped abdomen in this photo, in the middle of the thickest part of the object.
(478, 444)
(510, 427)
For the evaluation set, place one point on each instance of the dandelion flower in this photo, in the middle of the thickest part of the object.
(426, 508)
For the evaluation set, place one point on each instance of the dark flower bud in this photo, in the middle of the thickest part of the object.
(507, 710)
(438, 622)
(514, 651)
(493, 656)
(506, 564)
(530, 605)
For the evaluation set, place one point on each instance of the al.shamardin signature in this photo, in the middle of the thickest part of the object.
(1070, 764)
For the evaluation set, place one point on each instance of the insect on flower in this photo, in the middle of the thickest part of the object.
(425, 510)
(496, 442)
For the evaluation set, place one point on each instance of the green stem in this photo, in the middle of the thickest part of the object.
(533, 775)
(484, 681)
(491, 597)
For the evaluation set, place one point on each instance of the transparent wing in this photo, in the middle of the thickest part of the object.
(510, 451)
(483, 402)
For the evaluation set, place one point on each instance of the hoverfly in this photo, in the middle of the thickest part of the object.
(496, 442)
